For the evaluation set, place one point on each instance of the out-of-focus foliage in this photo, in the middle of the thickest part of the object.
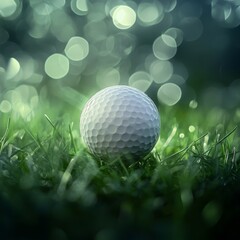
(176, 51)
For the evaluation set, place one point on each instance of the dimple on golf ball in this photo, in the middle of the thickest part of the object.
(120, 122)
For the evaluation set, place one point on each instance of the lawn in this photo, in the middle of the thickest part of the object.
(187, 188)
(56, 54)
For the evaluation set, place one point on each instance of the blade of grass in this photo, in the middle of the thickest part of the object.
(39, 144)
(169, 139)
(66, 175)
(3, 139)
(184, 150)
(53, 125)
(221, 140)
(71, 136)
(227, 135)
(124, 167)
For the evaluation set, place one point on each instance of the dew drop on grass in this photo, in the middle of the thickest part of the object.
(191, 128)
(193, 104)
(181, 135)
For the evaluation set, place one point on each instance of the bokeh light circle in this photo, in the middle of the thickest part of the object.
(123, 17)
(79, 7)
(150, 13)
(22, 101)
(7, 8)
(140, 80)
(5, 106)
(161, 71)
(13, 68)
(57, 66)
(169, 5)
(169, 94)
(77, 48)
(175, 33)
(164, 47)
(108, 77)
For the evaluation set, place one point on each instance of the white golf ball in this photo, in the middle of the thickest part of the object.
(120, 122)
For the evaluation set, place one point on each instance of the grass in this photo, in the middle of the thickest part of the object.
(187, 188)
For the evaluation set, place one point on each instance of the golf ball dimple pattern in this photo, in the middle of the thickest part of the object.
(120, 121)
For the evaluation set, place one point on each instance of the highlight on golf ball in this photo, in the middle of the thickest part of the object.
(120, 122)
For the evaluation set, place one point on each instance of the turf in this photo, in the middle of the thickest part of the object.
(187, 188)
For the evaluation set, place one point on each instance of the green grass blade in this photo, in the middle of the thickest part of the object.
(72, 140)
(3, 139)
(227, 135)
(67, 175)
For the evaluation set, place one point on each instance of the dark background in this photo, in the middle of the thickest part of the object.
(211, 61)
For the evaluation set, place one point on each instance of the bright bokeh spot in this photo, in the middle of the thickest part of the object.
(164, 47)
(77, 48)
(193, 104)
(13, 68)
(79, 7)
(221, 11)
(7, 8)
(22, 101)
(181, 135)
(177, 79)
(149, 13)
(123, 17)
(169, 94)
(57, 66)
(46, 7)
(5, 106)
(82, 5)
(41, 7)
(226, 12)
(176, 34)
(191, 129)
(161, 71)
(140, 80)
(169, 5)
(108, 77)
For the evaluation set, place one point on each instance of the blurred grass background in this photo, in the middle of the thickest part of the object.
(64, 51)
(55, 54)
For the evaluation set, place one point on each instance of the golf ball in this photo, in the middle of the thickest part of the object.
(120, 122)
